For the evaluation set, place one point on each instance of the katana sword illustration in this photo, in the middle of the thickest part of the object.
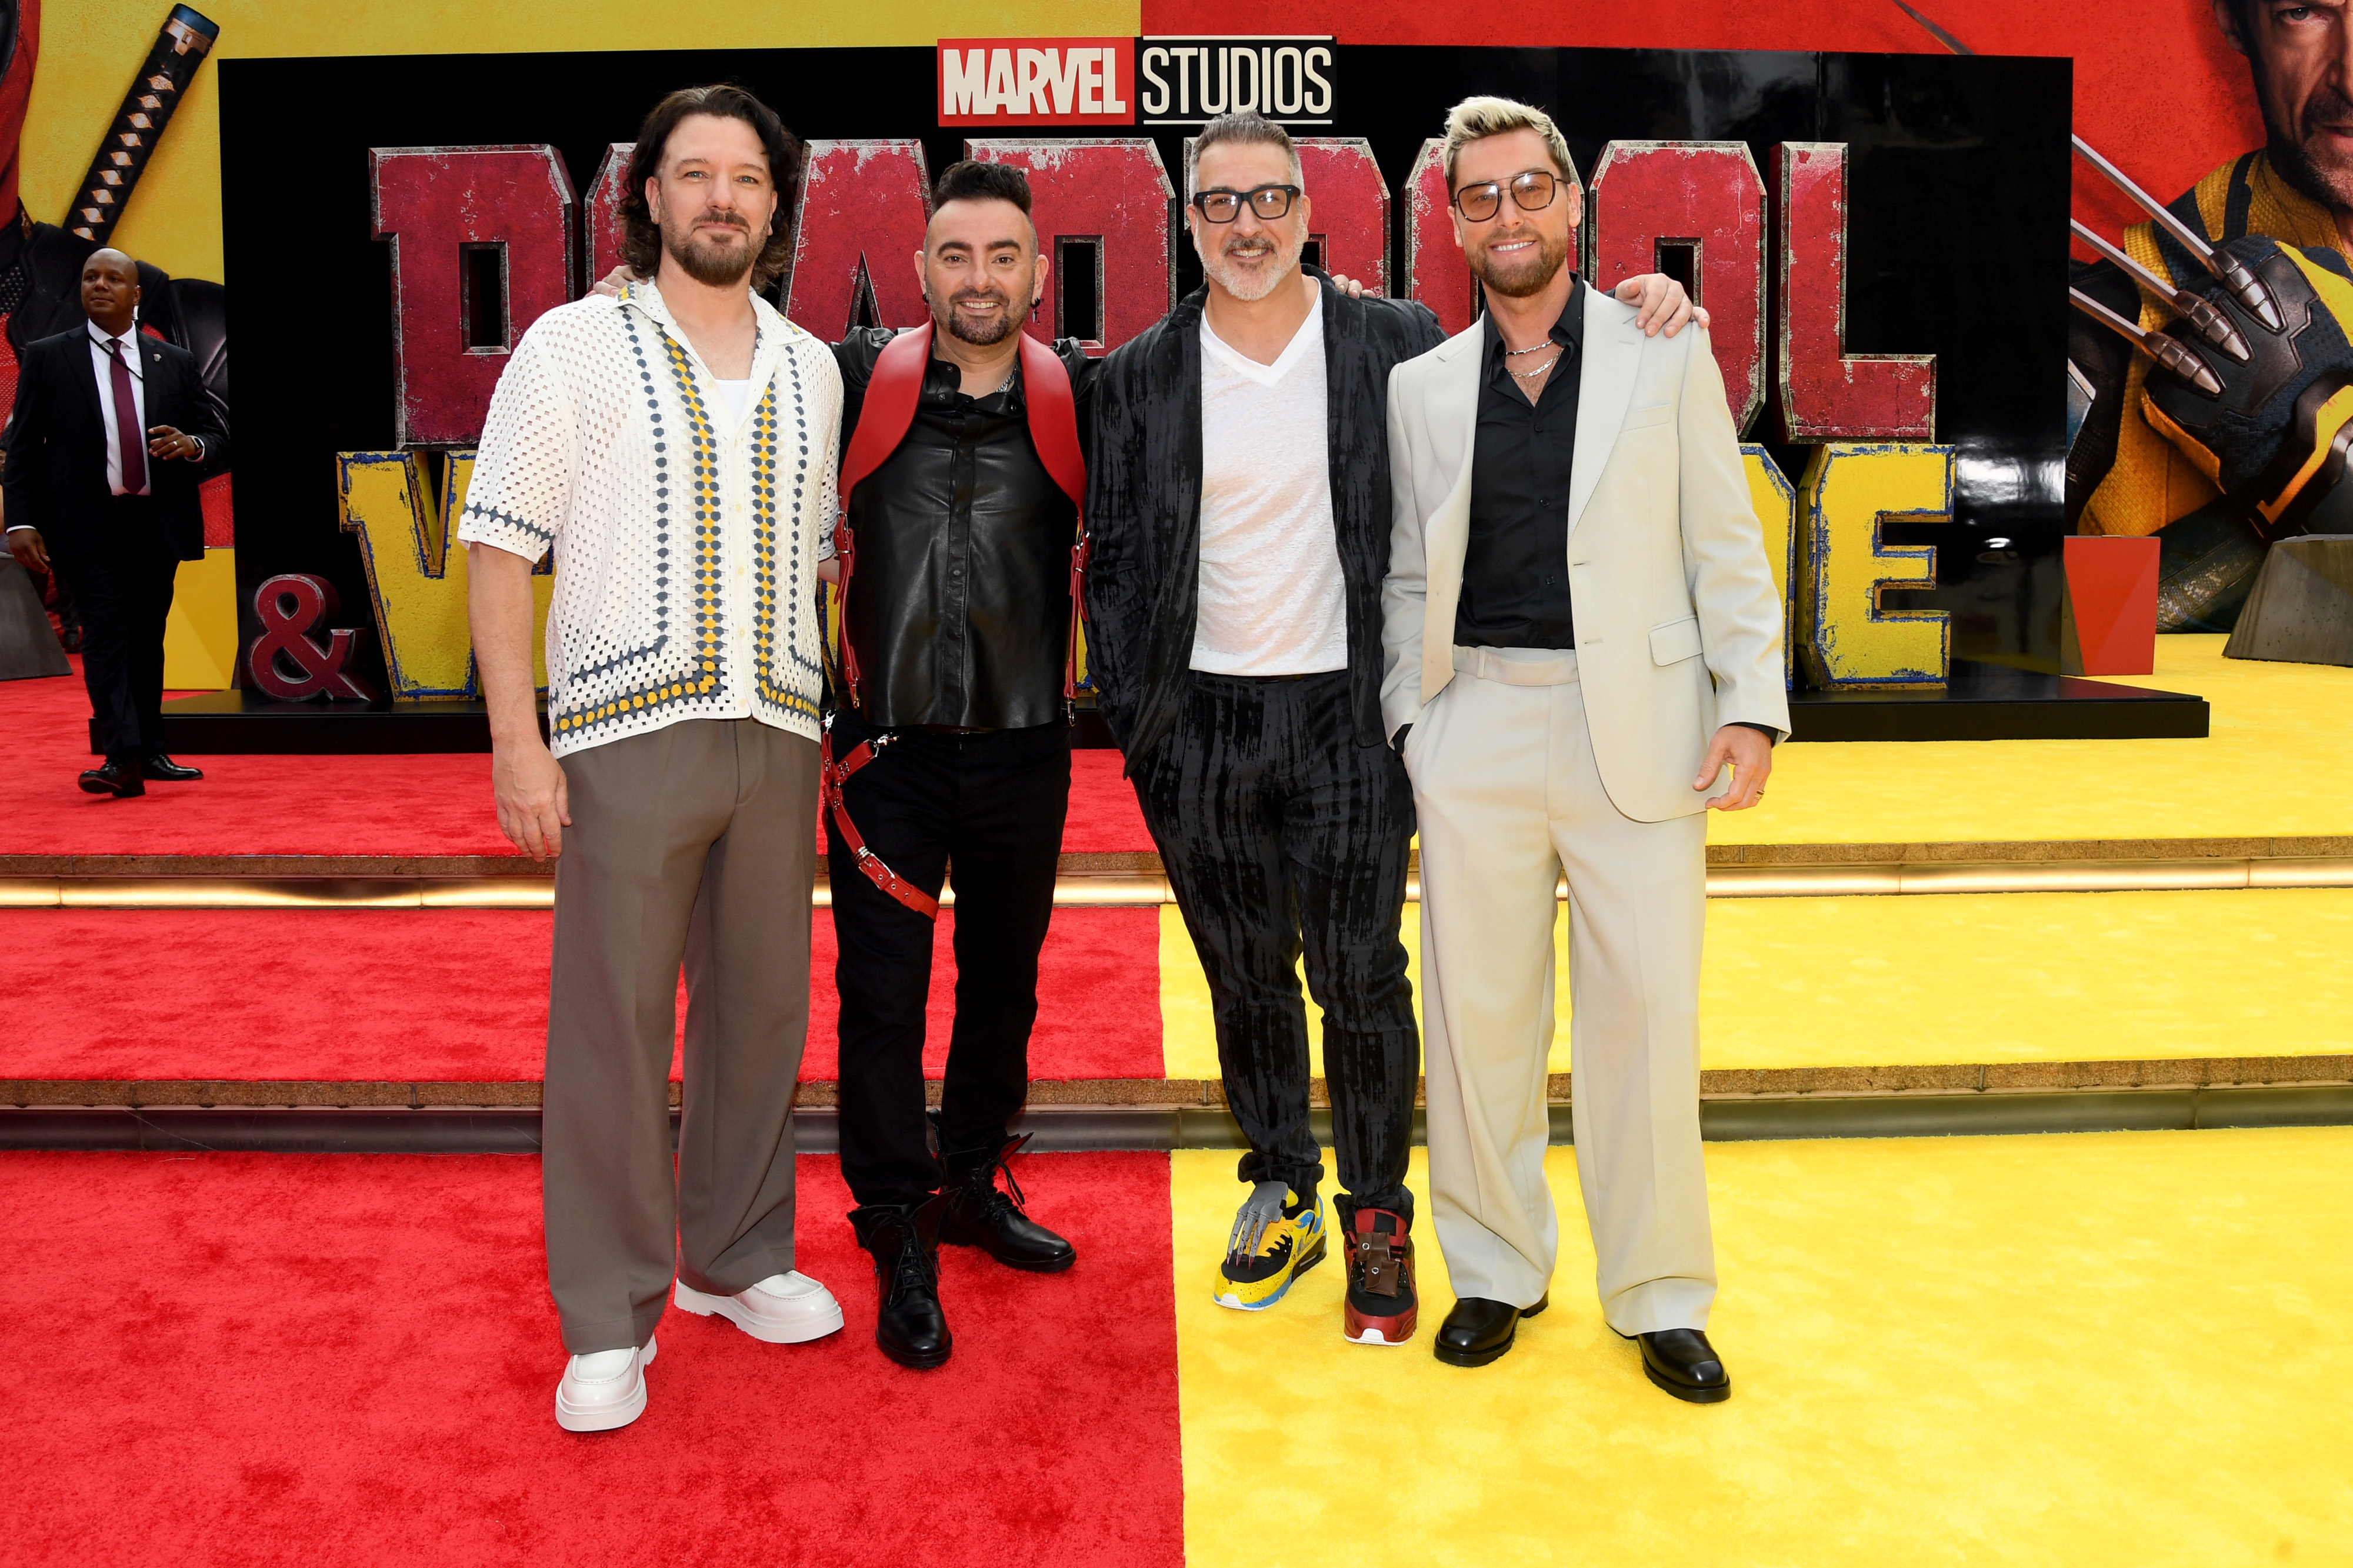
(181, 45)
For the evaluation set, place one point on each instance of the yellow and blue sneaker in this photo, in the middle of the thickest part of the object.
(1271, 1246)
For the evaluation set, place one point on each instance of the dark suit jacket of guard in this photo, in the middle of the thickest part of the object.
(1143, 505)
(56, 468)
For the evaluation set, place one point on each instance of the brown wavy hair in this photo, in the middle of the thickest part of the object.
(641, 245)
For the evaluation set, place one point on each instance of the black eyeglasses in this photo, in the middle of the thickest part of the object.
(1270, 201)
(1531, 192)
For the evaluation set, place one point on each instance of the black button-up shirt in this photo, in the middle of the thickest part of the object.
(1515, 566)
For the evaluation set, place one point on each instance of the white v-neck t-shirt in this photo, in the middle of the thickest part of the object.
(732, 393)
(1272, 601)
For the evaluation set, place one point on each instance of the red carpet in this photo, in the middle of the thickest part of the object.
(349, 1359)
(422, 995)
(414, 805)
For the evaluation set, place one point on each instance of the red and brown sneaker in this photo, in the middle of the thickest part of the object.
(1381, 1300)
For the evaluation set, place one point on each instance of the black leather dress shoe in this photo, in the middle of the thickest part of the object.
(980, 1213)
(158, 766)
(1479, 1331)
(903, 1238)
(1682, 1361)
(115, 777)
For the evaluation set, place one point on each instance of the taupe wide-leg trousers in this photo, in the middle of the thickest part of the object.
(1508, 796)
(696, 843)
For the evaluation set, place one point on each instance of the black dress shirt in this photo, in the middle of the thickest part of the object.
(1515, 566)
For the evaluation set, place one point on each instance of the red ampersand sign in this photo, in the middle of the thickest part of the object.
(286, 662)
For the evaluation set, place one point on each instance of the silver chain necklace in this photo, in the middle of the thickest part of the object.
(1543, 369)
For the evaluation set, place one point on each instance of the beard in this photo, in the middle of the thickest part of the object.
(1008, 320)
(1525, 273)
(711, 262)
(2326, 178)
(1228, 262)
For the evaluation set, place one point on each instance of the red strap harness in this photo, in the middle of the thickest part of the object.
(883, 421)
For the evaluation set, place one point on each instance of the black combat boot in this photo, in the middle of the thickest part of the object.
(903, 1238)
(982, 1214)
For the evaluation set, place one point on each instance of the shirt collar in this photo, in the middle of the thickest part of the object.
(1568, 332)
(129, 339)
(942, 378)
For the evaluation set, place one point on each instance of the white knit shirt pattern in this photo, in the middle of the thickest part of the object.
(686, 543)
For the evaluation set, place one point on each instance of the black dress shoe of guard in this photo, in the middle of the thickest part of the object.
(979, 1213)
(156, 765)
(903, 1240)
(118, 777)
(1682, 1361)
(1479, 1331)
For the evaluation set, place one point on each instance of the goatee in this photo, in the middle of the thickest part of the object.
(1251, 286)
(1007, 322)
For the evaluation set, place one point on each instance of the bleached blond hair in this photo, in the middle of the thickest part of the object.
(1476, 119)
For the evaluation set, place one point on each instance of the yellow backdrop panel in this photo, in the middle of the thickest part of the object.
(200, 636)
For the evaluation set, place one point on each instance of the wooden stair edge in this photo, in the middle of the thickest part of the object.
(1148, 862)
(1716, 1084)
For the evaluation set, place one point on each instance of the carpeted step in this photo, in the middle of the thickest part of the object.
(422, 803)
(402, 996)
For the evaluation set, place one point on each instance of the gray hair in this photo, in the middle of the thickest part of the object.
(1243, 128)
(1476, 119)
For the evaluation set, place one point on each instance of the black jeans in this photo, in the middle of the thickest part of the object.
(1280, 833)
(122, 584)
(991, 802)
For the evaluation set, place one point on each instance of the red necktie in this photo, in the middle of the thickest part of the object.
(128, 435)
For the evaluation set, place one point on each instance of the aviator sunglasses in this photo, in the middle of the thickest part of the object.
(1531, 192)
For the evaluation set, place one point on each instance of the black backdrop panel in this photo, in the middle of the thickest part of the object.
(1957, 244)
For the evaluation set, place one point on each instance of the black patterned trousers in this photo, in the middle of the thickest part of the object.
(1281, 834)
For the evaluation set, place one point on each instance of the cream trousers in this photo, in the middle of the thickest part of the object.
(1508, 797)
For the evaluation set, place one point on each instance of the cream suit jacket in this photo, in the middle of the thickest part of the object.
(1678, 625)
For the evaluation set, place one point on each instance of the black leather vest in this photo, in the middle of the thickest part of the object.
(960, 607)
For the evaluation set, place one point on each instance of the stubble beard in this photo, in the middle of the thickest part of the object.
(1250, 284)
(2330, 184)
(1529, 273)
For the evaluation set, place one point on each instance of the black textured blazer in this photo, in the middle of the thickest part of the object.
(56, 471)
(1143, 504)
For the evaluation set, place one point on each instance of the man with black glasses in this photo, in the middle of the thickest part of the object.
(1238, 504)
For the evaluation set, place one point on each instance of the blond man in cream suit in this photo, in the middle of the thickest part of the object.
(1583, 653)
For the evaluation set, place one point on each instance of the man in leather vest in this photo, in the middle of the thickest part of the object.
(955, 633)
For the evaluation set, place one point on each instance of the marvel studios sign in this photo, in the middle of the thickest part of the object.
(1189, 80)
(1037, 81)
(1176, 80)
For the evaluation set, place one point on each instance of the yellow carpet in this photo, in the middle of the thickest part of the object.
(1963, 977)
(2123, 1349)
(2274, 766)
